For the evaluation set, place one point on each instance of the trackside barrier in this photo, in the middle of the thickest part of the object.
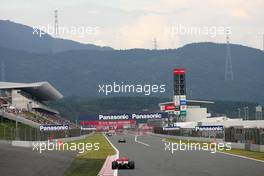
(22, 143)
(200, 139)
(262, 148)
(30, 143)
(257, 148)
(252, 147)
(5, 142)
(241, 146)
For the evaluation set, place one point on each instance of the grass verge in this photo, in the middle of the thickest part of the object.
(90, 162)
(250, 154)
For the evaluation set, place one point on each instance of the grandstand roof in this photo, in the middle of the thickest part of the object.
(42, 90)
(191, 102)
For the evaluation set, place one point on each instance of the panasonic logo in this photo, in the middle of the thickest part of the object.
(53, 127)
(146, 116)
(134, 116)
(209, 128)
(113, 117)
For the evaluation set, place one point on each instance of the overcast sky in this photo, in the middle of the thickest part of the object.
(136, 23)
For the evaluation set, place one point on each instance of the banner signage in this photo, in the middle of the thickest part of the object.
(179, 71)
(183, 102)
(210, 128)
(120, 117)
(108, 123)
(183, 108)
(53, 127)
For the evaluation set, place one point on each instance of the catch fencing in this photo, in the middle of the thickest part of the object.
(34, 134)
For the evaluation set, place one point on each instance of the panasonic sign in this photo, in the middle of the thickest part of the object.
(210, 128)
(113, 117)
(53, 127)
(147, 116)
(134, 116)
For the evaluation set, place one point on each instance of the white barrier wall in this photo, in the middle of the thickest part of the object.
(238, 145)
(261, 148)
(30, 143)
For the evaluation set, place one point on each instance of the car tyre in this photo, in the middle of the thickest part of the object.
(114, 165)
(131, 164)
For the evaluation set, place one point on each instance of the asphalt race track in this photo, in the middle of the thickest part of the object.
(17, 161)
(153, 160)
(149, 155)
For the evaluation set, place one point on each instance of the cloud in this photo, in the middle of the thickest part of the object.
(130, 24)
(142, 32)
(240, 13)
(166, 6)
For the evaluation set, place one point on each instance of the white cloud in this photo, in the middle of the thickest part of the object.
(240, 13)
(142, 32)
(166, 7)
(129, 24)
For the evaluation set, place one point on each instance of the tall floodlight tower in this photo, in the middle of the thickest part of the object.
(55, 33)
(239, 112)
(246, 113)
(177, 110)
(3, 70)
(229, 75)
(155, 44)
(259, 112)
(179, 98)
(56, 24)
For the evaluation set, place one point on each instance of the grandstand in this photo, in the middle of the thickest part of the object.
(26, 103)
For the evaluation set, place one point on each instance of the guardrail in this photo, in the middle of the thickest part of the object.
(30, 143)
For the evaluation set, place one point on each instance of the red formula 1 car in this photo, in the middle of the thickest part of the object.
(123, 163)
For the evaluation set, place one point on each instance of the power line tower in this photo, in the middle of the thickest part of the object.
(239, 112)
(155, 44)
(56, 24)
(54, 47)
(246, 113)
(3, 70)
(229, 75)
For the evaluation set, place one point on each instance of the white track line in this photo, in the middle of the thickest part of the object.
(117, 153)
(140, 141)
(240, 156)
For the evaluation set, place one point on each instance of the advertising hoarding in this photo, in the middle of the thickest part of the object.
(53, 127)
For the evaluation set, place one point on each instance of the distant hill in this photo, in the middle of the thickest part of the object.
(72, 107)
(77, 69)
(20, 37)
(78, 73)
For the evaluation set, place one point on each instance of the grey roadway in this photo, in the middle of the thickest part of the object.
(17, 161)
(153, 160)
